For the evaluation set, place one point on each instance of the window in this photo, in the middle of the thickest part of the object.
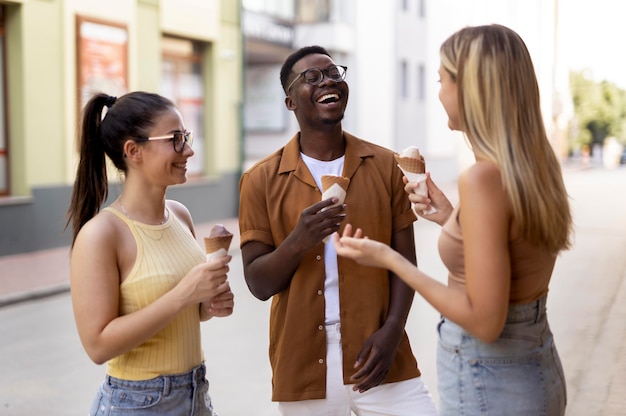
(404, 79)
(421, 8)
(421, 87)
(4, 148)
(182, 82)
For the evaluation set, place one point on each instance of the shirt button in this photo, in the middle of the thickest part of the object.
(318, 257)
(321, 361)
(320, 327)
(319, 292)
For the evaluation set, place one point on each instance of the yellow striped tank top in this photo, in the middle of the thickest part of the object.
(165, 253)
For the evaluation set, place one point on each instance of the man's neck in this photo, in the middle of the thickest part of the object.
(324, 142)
(323, 145)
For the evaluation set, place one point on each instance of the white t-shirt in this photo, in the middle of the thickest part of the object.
(331, 283)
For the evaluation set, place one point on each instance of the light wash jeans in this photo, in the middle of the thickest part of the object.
(403, 398)
(520, 374)
(175, 395)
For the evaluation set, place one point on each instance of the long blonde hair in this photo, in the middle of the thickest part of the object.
(500, 114)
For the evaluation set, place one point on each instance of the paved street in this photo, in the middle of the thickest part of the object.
(44, 370)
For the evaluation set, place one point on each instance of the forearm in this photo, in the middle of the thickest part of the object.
(401, 299)
(271, 273)
(401, 295)
(453, 303)
(126, 332)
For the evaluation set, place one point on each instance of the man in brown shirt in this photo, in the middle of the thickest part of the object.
(337, 339)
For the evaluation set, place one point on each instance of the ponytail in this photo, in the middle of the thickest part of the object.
(91, 184)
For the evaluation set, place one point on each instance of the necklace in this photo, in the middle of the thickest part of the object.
(165, 213)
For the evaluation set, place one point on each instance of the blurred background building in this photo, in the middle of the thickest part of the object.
(57, 53)
(391, 49)
(219, 60)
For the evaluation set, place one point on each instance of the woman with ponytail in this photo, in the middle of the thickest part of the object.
(140, 281)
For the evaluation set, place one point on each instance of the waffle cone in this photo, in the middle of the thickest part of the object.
(213, 244)
(218, 238)
(411, 164)
(330, 180)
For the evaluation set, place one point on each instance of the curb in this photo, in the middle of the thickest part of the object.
(14, 298)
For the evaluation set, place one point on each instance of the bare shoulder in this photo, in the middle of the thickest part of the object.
(482, 176)
(181, 212)
(103, 231)
(100, 230)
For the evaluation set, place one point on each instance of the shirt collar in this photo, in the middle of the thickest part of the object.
(356, 151)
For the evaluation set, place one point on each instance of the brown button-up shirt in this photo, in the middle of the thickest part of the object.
(273, 194)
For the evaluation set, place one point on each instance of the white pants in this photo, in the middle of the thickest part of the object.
(404, 398)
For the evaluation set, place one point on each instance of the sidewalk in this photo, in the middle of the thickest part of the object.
(42, 273)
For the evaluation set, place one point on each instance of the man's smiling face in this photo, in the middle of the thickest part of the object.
(325, 102)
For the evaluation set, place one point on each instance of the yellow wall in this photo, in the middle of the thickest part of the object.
(228, 103)
(36, 97)
(197, 19)
(41, 73)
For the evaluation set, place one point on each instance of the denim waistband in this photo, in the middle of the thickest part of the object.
(533, 311)
(163, 383)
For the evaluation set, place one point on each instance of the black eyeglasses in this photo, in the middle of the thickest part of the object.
(314, 76)
(178, 139)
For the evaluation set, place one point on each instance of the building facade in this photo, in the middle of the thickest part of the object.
(391, 49)
(57, 53)
(219, 60)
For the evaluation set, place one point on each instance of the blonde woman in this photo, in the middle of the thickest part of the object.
(496, 354)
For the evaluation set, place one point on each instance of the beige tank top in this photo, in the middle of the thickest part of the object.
(165, 253)
(531, 266)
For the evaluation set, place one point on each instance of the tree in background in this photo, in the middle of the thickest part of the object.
(599, 112)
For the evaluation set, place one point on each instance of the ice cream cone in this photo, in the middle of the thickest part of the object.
(215, 243)
(330, 180)
(334, 187)
(410, 164)
(218, 241)
(413, 165)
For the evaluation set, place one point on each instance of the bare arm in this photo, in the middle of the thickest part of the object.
(269, 270)
(95, 280)
(485, 219)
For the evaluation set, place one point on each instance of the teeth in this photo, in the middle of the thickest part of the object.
(180, 165)
(327, 97)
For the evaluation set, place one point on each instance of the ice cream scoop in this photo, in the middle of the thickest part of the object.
(411, 160)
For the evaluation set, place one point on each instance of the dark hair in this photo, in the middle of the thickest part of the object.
(127, 118)
(286, 70)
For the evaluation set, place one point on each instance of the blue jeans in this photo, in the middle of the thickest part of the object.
(518, 374)
(175, 395)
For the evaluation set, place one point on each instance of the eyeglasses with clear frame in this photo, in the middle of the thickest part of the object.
(178, 139)
(314, 76)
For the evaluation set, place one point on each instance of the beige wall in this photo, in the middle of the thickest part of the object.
(228, 93)
(36, 97)
(41, 59)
